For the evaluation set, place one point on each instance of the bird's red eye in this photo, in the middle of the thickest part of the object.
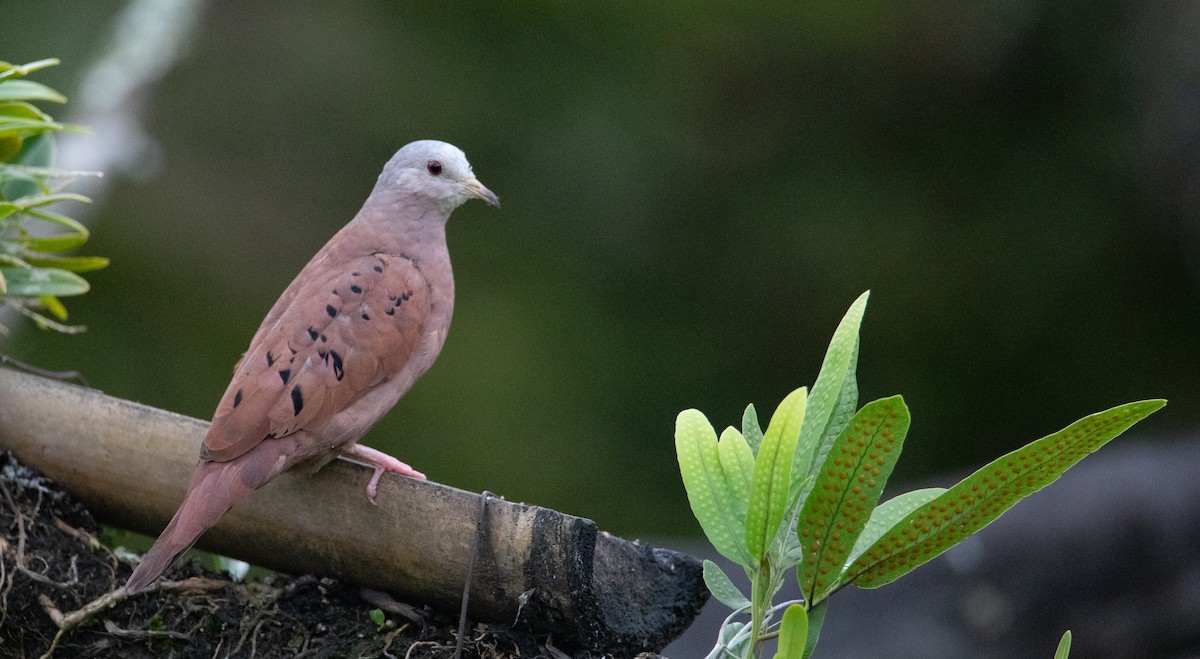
(434, 167)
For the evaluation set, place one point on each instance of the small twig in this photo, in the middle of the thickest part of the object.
(51, 172)
(189, 585)
(68, 622)
(66, 376)
(112, 628)
(198, 603)
(92, 541)
(408, 655)
(56, 616)
(480, 529)
(246, 630)
(6, 579)
(391, 638)
(254, 638)
(20, 562)
(555, 652)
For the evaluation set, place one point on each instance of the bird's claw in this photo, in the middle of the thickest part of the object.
(382, 462)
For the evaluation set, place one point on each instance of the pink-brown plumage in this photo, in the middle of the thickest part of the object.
(358, 325)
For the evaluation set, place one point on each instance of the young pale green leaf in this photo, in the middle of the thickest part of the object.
(707, 489)
(727, 646)
(59, 219)
(834, 395)
(1064, 646)
(22, 110)
(36, 282)
(847, 406)
(816, 620)
(19, 119)
(981, 497)
(793, 633)
(28, 90)
(737, 461)
(773, 473)
(34, 201)
(54, 306)
(846, 489)
(888, 514)
(75, 264)
(8, 259)
(722, 588)
(34, 160)
(20, 126)
(750, 428)
(56, 243)
(10, 70)
(46, 323)
(9, 146)
(377, 617)
(76, 236)
(7, 208)
(27, 171)
(3, 284)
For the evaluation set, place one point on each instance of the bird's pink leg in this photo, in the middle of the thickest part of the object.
(382, 462)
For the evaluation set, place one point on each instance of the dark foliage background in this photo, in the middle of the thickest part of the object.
(693, 193)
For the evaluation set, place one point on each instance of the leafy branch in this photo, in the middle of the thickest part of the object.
(34, 273)
(804, 496)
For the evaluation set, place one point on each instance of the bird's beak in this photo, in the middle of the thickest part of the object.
(478, 191)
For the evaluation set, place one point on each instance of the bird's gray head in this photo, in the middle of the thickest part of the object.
(435, 171)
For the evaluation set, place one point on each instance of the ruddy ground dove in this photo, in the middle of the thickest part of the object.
(355, 329)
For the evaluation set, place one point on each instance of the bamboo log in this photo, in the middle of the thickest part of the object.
(130, 463)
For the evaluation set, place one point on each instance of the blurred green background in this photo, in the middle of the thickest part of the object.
(693, 194)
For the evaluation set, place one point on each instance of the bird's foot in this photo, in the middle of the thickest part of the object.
(382, 463)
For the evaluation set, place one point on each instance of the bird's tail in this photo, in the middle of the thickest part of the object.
(215, 488)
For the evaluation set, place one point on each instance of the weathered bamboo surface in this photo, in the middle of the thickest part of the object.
(130, 463)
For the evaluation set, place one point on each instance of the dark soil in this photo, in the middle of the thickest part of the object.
(51, 565)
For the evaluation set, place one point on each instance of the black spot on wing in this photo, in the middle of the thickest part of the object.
(270, 358)
(297, 400)
(330, 310)
(378, 268)
(313, 333)
(366, 317)
(339, 370)
(237, 399)
(401, 299)
(285, 375)
(356, 289)
(391, 311)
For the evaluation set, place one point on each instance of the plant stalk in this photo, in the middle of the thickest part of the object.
(760, 601)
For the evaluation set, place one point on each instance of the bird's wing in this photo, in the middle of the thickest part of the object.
(347, 327)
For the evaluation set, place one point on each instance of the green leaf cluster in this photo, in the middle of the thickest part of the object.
(804, 496)
(34, 272)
